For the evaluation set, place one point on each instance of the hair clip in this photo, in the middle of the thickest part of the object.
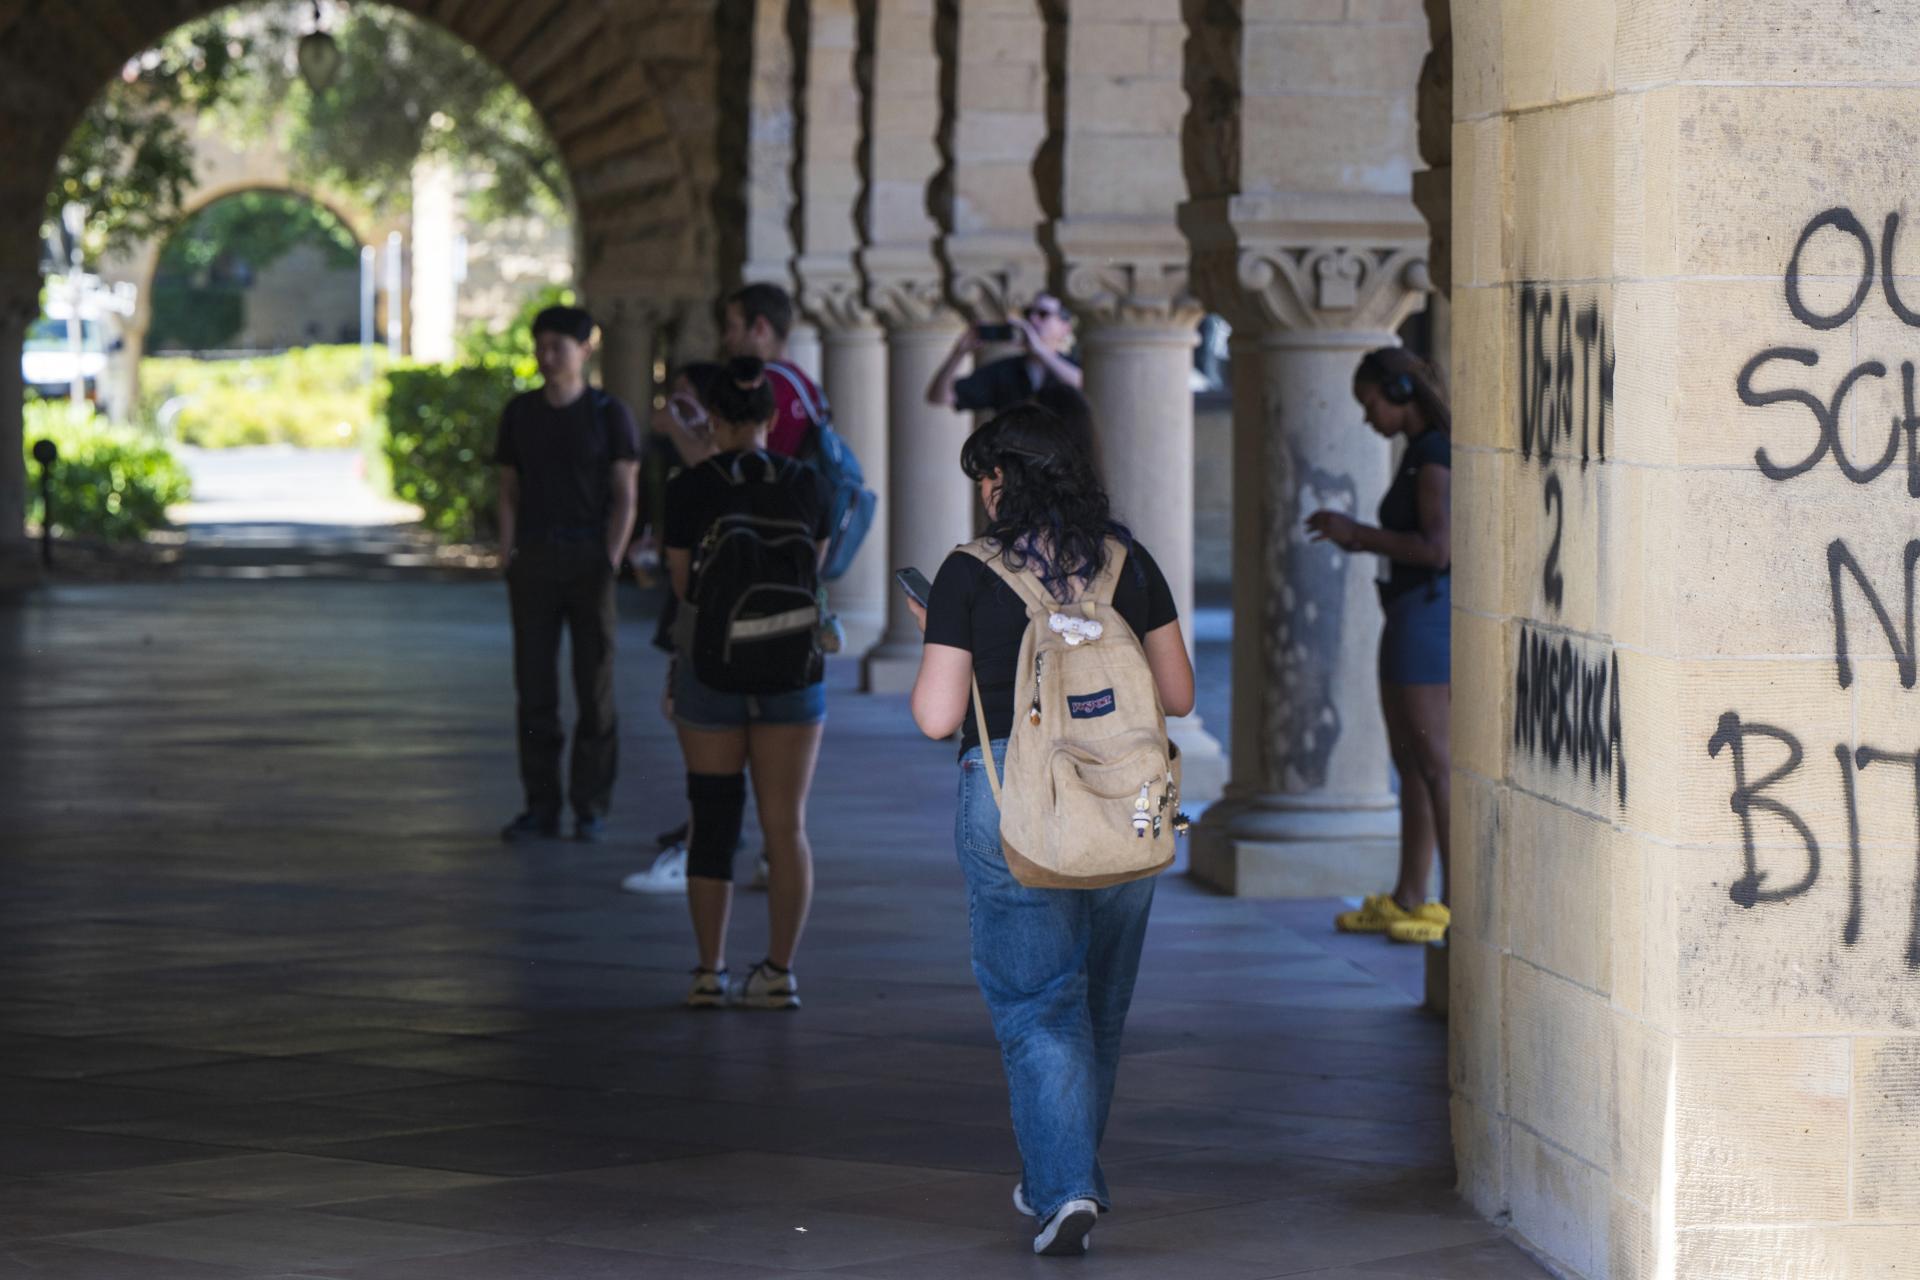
(1075, 630)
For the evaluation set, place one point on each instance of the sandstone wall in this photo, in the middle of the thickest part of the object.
(1687, 954)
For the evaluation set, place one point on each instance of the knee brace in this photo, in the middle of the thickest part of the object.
(719, 803)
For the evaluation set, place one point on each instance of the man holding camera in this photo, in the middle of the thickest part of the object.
(1046, 333)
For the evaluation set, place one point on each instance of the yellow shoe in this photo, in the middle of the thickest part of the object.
(1375, 914)
(1425, 923)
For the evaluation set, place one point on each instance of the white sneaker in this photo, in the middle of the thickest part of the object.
(709, 990)
(768, 988)
(761, 874)
(1069, 1231)
(668, 874)
(1020, 1199)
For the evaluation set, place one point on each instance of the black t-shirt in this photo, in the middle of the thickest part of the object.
(1400, 509)
(972, 609)
(700, 495)
(999, 385)
(565, 458)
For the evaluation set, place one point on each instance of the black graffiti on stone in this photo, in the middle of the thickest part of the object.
(1566, 708)
(1906, 659)
(1567, 365)
(1552, 584)
(1847, 223)
(1735, 736)
(1826, 418)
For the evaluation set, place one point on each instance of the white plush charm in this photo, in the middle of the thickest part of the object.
(1075, 630)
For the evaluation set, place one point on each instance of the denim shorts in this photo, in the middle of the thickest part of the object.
(698, 707)
(1415, 643)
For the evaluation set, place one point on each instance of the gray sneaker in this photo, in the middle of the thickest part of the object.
(709, 990)
(1069, 1232)
(768, 988)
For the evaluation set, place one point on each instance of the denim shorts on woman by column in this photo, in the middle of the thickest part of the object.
(1416, 642)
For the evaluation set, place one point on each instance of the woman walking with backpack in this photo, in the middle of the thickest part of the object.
(1055, 628)
(744, 535)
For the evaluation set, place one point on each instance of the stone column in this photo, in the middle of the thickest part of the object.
(928, 500)
(1137, 334)
(626, 353)
(1310, 808)
(19, 305)
(854, 370)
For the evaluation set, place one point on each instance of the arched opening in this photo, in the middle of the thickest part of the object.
(591, 78)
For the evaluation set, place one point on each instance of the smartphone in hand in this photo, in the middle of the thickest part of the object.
(915, 584)
(994, 332)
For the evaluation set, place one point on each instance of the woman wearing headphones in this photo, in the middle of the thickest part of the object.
(1401, 396)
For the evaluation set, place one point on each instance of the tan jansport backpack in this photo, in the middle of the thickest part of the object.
(1092, 791)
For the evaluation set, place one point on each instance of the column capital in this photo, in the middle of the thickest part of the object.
(1118, 273)
(1352, 265)
(905, 288)
(831, 293)
(993, 276)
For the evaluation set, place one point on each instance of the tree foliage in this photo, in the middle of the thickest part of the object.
(129, 164)
(406, 90)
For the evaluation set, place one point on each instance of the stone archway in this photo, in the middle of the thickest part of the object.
(627, 92)
(223, 169)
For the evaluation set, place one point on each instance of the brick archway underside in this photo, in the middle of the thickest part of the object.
(626, 88)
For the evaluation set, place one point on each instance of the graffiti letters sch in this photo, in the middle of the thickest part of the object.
(1566, 360)
(1865, 609)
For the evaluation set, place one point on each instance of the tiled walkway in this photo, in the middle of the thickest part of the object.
(277, 1004)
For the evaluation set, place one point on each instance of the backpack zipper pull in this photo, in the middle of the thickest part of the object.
(1033, 712)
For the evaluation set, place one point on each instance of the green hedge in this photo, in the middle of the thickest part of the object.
(440, 435)
(314, 397)
(109, 482)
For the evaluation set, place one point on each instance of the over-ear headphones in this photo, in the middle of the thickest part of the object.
(1398, 388)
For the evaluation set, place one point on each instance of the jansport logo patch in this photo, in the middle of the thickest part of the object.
(1090, 706)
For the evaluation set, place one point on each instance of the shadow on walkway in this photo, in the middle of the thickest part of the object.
(279, 1004)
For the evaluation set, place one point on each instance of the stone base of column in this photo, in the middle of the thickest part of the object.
(1276, 847)
(864, 627)
(891, 667)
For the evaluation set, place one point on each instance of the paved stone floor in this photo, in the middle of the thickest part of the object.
(275, 1002)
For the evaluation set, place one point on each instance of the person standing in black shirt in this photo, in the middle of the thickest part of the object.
(724, 735)
(1401, 396)
(568, 459)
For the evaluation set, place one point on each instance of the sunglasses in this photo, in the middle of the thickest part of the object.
(1043, 313)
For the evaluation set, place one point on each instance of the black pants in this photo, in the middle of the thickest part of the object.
(549, 586)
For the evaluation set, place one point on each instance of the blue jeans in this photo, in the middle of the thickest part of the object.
(1057, 968)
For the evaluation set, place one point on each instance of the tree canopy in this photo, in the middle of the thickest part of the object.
(406, 90)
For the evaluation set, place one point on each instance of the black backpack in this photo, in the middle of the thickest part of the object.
(755, 594)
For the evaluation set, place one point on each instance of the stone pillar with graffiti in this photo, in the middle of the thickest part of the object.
(1686, 951)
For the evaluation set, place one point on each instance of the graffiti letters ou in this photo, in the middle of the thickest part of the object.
(1786, 375)
(1566, 714)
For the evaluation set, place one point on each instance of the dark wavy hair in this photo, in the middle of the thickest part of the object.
(1052, 514)
(1383, 364)
(741, 394)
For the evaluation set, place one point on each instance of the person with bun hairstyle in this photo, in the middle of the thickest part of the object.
(1401, 396)
(1056, 966)
(724, 734)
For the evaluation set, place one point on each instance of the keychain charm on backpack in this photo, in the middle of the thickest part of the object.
(1075, 630)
